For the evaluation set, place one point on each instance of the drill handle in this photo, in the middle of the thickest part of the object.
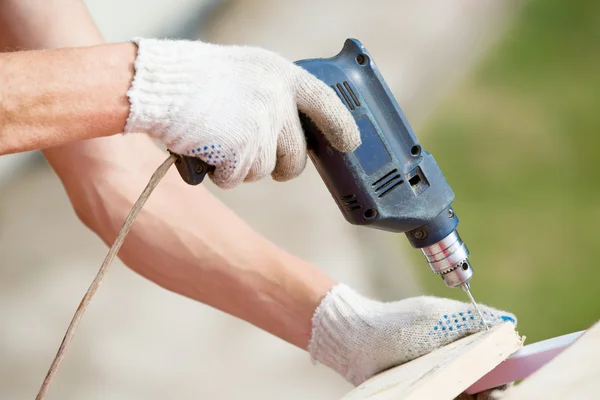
(192, 169)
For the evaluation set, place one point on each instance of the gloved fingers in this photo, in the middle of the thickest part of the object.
(234, 166)
(264, 162)
(291, 149)
(323, 106)
(459, 317)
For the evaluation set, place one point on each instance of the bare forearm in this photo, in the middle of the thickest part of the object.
(187, 241)
(52, 97)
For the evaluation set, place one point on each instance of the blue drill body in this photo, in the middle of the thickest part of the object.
(390, 181)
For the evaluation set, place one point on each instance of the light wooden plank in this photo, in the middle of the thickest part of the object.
(524, 362)
(573, 374)
(444, 373)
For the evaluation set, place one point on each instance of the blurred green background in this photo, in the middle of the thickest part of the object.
(519, 142)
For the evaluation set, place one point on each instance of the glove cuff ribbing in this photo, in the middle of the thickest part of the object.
(161, 83)
(335, 321)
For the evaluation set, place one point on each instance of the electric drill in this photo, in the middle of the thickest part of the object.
(390, 182)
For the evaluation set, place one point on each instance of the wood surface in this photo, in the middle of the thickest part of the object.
(444, 373)
(572, 375)
(524, 362)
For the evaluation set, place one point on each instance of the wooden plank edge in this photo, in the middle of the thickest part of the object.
(524, 362)
(573, 374)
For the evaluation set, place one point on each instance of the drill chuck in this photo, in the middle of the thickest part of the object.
(449, 258)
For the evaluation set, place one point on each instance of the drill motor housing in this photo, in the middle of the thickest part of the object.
(390, 182)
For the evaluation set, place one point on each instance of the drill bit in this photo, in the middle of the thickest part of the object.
(465, 288)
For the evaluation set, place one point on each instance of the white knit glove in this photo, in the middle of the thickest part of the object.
(234, 107)
(359, 337)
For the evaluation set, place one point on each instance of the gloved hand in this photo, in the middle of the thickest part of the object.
(234, 107)
(359, 337)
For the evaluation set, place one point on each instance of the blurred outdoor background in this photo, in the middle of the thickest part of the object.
(505, 95)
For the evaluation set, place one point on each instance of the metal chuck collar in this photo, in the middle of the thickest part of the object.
(449, 258)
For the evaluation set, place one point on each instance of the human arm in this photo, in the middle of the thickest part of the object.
(52, 97)
(200, 249)
(202, 252)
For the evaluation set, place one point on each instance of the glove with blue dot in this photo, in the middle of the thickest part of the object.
(234, 107)
(359, 337)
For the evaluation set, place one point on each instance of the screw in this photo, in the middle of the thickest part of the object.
(450, 213)
(199, 169)
(420, 234)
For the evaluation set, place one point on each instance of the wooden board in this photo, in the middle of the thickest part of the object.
(573, 374)
(524, 362)
(444, 373)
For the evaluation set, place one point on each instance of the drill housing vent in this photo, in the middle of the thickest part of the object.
(387, 183)
(350, 202)
(346, 94)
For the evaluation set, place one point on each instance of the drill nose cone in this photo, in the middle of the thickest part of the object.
(465, 288)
